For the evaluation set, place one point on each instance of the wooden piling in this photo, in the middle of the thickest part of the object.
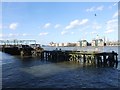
(116, 61)
(95, 58)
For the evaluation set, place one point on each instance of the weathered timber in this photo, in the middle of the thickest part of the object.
(100, 59)
(23, 50)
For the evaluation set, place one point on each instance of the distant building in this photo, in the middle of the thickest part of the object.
(56, 44)
(51, 44)
(93, 43)
(83, 43)
(71, 44)
(61, 44)
(78, 44)
(113, 43)
(65, 44)
(97, 42)
(100, 42)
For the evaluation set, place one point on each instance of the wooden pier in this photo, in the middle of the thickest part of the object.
(23, 50)
(100, 59)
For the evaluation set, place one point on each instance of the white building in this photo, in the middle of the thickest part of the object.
(65, 44)
(93, 43)
(78, 44)
(100, 42)
(97, 42)
(83, 43)
(61, 44)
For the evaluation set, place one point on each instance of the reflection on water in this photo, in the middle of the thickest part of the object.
(35, 73)
(51, 68)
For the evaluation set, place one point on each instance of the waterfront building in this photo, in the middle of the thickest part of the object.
(51, 44)
(61, 44)
(113, 43)
(71, 44)
(83, 43)
(93, 43)
(100, 42)
(78, 44)
(56, 44)
(97, 42)
(65, 44)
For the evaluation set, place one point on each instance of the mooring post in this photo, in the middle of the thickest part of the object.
(65, 56)
(104, 60)
(116, 61)
(57, 54)
(84, 58)
(94, 60)
(49, 55)
(98, 62)
(42, 55)
(111, 59)
(56, 59)
(52, 55)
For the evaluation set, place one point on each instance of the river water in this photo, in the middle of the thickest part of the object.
(18, 72)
